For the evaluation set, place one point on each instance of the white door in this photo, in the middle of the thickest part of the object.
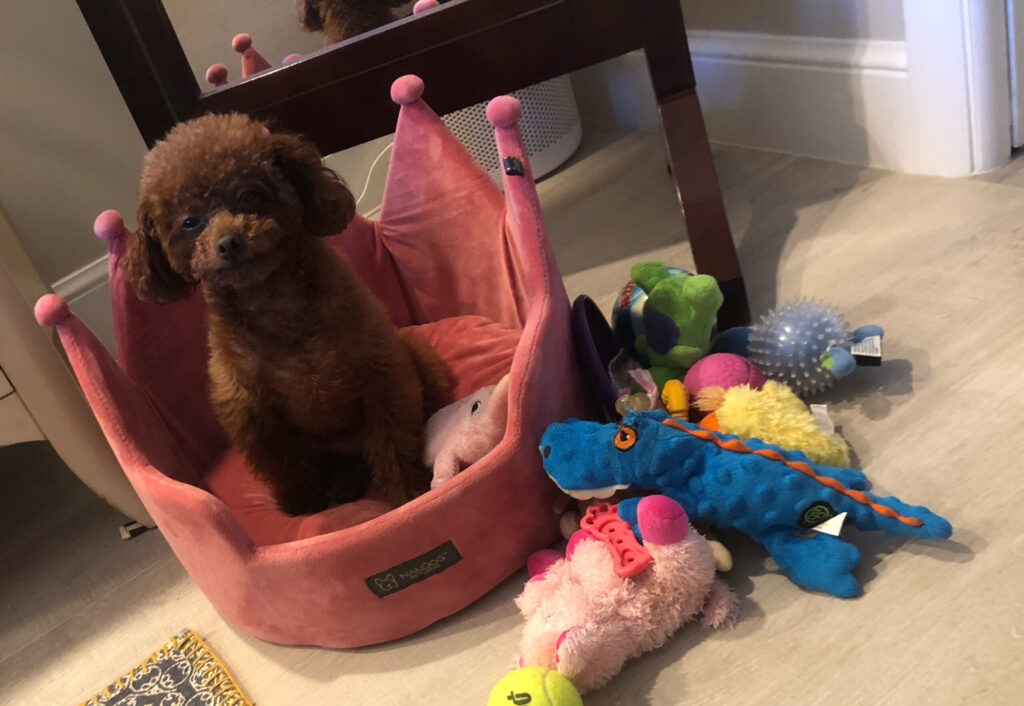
(1015, 29)
(959, 78)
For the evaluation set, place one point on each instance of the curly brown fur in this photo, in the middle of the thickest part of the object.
(308, 375)
(341, 19)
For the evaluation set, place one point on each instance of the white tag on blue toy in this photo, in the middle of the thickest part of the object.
(868, 351)
(832, 526)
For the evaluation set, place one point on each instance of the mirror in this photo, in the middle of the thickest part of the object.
(212, 32)
(339, 20)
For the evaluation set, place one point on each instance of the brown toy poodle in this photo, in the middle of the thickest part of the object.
(308, 375)
(341, 19)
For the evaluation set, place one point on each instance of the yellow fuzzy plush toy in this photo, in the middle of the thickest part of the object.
(775, 415)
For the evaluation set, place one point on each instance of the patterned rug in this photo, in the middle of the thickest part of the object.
(184, 672)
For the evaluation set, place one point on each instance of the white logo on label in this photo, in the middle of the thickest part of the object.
(388, 583)
(426, 567)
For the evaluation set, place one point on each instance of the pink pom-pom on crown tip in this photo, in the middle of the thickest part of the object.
(217, 74)
(504, 111)
(422, 5)
(407, 89)
(51, 310)
(108, 226)
(240, 42)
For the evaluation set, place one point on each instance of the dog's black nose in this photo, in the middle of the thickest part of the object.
(229, 247)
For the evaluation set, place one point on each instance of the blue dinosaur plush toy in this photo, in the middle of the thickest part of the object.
(772, 494)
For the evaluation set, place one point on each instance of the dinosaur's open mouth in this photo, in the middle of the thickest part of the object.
(600, 493)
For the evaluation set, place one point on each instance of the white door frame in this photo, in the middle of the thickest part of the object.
(959, 72)
(1015, 31)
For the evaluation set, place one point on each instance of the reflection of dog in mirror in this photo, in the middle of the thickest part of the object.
(341, 19)
(308, 375)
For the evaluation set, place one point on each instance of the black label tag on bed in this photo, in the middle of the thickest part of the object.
(414, 570)
(513, 167)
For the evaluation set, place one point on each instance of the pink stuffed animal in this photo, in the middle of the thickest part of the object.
(465, 431)
(585, 621)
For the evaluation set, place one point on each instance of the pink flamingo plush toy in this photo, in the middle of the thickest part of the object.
(610, 599)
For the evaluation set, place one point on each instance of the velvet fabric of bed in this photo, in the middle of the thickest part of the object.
(472, 270)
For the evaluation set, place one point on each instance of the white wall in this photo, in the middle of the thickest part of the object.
(720, 31)
(68, 145)
(839, 19)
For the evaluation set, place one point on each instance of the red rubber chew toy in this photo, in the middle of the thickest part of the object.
(602, 522)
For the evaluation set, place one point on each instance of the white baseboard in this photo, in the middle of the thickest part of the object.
(883, 55)
(83, 280)
(837, 99)
(87, 292)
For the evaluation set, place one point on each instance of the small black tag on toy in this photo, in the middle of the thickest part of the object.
(868, 351)
(815, 514)
(414, 570)
(513, 167)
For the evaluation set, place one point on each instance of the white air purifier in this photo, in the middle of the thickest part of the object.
(550, 125)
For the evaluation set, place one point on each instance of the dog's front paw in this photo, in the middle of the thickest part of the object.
(333, 479)
(347, 481)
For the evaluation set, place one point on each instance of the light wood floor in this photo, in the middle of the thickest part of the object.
(939, 263)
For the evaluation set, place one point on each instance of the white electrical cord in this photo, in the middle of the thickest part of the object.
(369, 174)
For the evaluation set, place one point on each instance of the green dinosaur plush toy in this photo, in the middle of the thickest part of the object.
(678, 317)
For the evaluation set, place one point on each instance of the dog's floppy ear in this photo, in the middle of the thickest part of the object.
(327, 204)
(147, 268)
(309, 15)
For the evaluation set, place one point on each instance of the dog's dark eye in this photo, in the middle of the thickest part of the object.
(191, 223)
(248, 199)
(475, 407)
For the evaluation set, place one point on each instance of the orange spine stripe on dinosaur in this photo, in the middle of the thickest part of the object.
(739, 447)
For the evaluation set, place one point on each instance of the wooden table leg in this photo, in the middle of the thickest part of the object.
(714, 252)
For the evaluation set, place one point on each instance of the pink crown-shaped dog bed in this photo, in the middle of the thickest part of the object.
(450, 255)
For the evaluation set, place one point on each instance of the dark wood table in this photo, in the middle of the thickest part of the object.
(467, 51)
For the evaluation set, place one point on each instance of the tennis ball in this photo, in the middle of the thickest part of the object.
(536, 686)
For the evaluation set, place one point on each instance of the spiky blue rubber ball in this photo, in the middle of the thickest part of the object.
(788, 343)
